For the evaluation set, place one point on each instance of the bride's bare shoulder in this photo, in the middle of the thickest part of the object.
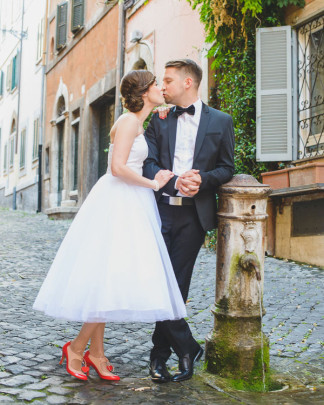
(127, 121)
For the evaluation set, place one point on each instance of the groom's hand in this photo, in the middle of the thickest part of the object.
(189, 182)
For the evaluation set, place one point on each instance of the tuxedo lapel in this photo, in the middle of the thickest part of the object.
(202, 128)
(172, 129)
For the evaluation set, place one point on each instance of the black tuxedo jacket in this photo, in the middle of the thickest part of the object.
(213, 156)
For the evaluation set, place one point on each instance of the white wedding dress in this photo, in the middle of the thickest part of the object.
(113, 264)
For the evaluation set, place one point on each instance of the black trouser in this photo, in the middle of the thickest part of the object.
(183, 236)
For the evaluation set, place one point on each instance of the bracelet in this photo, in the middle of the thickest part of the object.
(157, 185)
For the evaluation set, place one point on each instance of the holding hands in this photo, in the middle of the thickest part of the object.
(163, 177)
(188, 183)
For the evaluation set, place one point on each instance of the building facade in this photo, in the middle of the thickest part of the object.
(21, 101)
(161, 30)
(290, 95)
(80, 100)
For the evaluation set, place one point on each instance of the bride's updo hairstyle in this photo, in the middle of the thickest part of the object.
(133, 85)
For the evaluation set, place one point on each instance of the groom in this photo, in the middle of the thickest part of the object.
(196, 142)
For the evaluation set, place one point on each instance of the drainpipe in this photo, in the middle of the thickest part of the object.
(42, 121)
(21, 36)
(120, 58)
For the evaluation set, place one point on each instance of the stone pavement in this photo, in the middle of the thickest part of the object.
(30, 343)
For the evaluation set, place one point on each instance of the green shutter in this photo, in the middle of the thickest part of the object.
(5, 157)
(61, 25)
(8, 80)
(1, 83)
(22, 148)
(77, 15)
(17, 68)
(36, 136)
(13, 73)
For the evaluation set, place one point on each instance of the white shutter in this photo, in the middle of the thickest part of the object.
(274, 94)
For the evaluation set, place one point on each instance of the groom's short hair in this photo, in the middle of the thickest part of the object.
(189, 67)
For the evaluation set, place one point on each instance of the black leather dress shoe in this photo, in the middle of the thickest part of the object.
(159, 372)
(186, 365)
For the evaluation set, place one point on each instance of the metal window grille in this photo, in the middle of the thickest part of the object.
(311, 88)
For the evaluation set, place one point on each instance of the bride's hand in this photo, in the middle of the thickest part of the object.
(163, 177)
(163, 112)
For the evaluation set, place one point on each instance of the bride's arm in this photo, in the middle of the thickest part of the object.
(126, 133)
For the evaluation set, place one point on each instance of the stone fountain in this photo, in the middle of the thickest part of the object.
(237, 348)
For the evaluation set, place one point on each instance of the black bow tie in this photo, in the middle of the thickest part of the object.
(180, 110)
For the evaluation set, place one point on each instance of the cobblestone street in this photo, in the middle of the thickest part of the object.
(30, 343)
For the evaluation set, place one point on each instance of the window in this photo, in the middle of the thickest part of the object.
(290, 92)
(36, 139)
(9, 76)
(11, 151)
(47, 160)
(61, 25)
(1, 82)
(274, 94)
(22, 160)
(5, 158)
(311, 88)
(40, 37)
(14, 71)
(77, 15)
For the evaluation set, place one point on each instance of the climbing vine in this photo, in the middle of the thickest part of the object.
(230, 30)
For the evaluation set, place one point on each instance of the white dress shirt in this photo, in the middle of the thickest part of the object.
(186, 135)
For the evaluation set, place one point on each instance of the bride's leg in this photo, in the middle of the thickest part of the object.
(96, 345)
(78, 345)
(96, 352)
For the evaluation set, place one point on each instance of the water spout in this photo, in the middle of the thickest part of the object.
(249, 262)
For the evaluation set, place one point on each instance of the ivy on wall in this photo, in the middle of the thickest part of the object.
(230, 27)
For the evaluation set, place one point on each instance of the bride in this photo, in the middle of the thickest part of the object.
(113, 264)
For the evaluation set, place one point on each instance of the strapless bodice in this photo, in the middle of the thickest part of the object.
(137, 155)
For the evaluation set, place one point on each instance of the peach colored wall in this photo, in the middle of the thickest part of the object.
(89, 60)
(306, 249)
(296, 15)
(178, 32)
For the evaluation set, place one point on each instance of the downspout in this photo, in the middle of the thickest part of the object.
(42, 121)
(120, 58)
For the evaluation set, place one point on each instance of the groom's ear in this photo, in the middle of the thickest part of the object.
(188, 82)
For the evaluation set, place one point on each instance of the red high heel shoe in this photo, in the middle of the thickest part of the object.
(75, 373)
(110, 368)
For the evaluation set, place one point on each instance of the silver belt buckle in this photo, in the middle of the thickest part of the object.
(175, 200)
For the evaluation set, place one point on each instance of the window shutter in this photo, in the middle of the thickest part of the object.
(5, 157)
(35, 141)
(17, 68)
(22, 148)
(9, 76)
(1, 83)
(61, 25)
(77, 15)
(13, 73)
(274, 94)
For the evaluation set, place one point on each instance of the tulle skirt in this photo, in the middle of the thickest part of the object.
(113, 264)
